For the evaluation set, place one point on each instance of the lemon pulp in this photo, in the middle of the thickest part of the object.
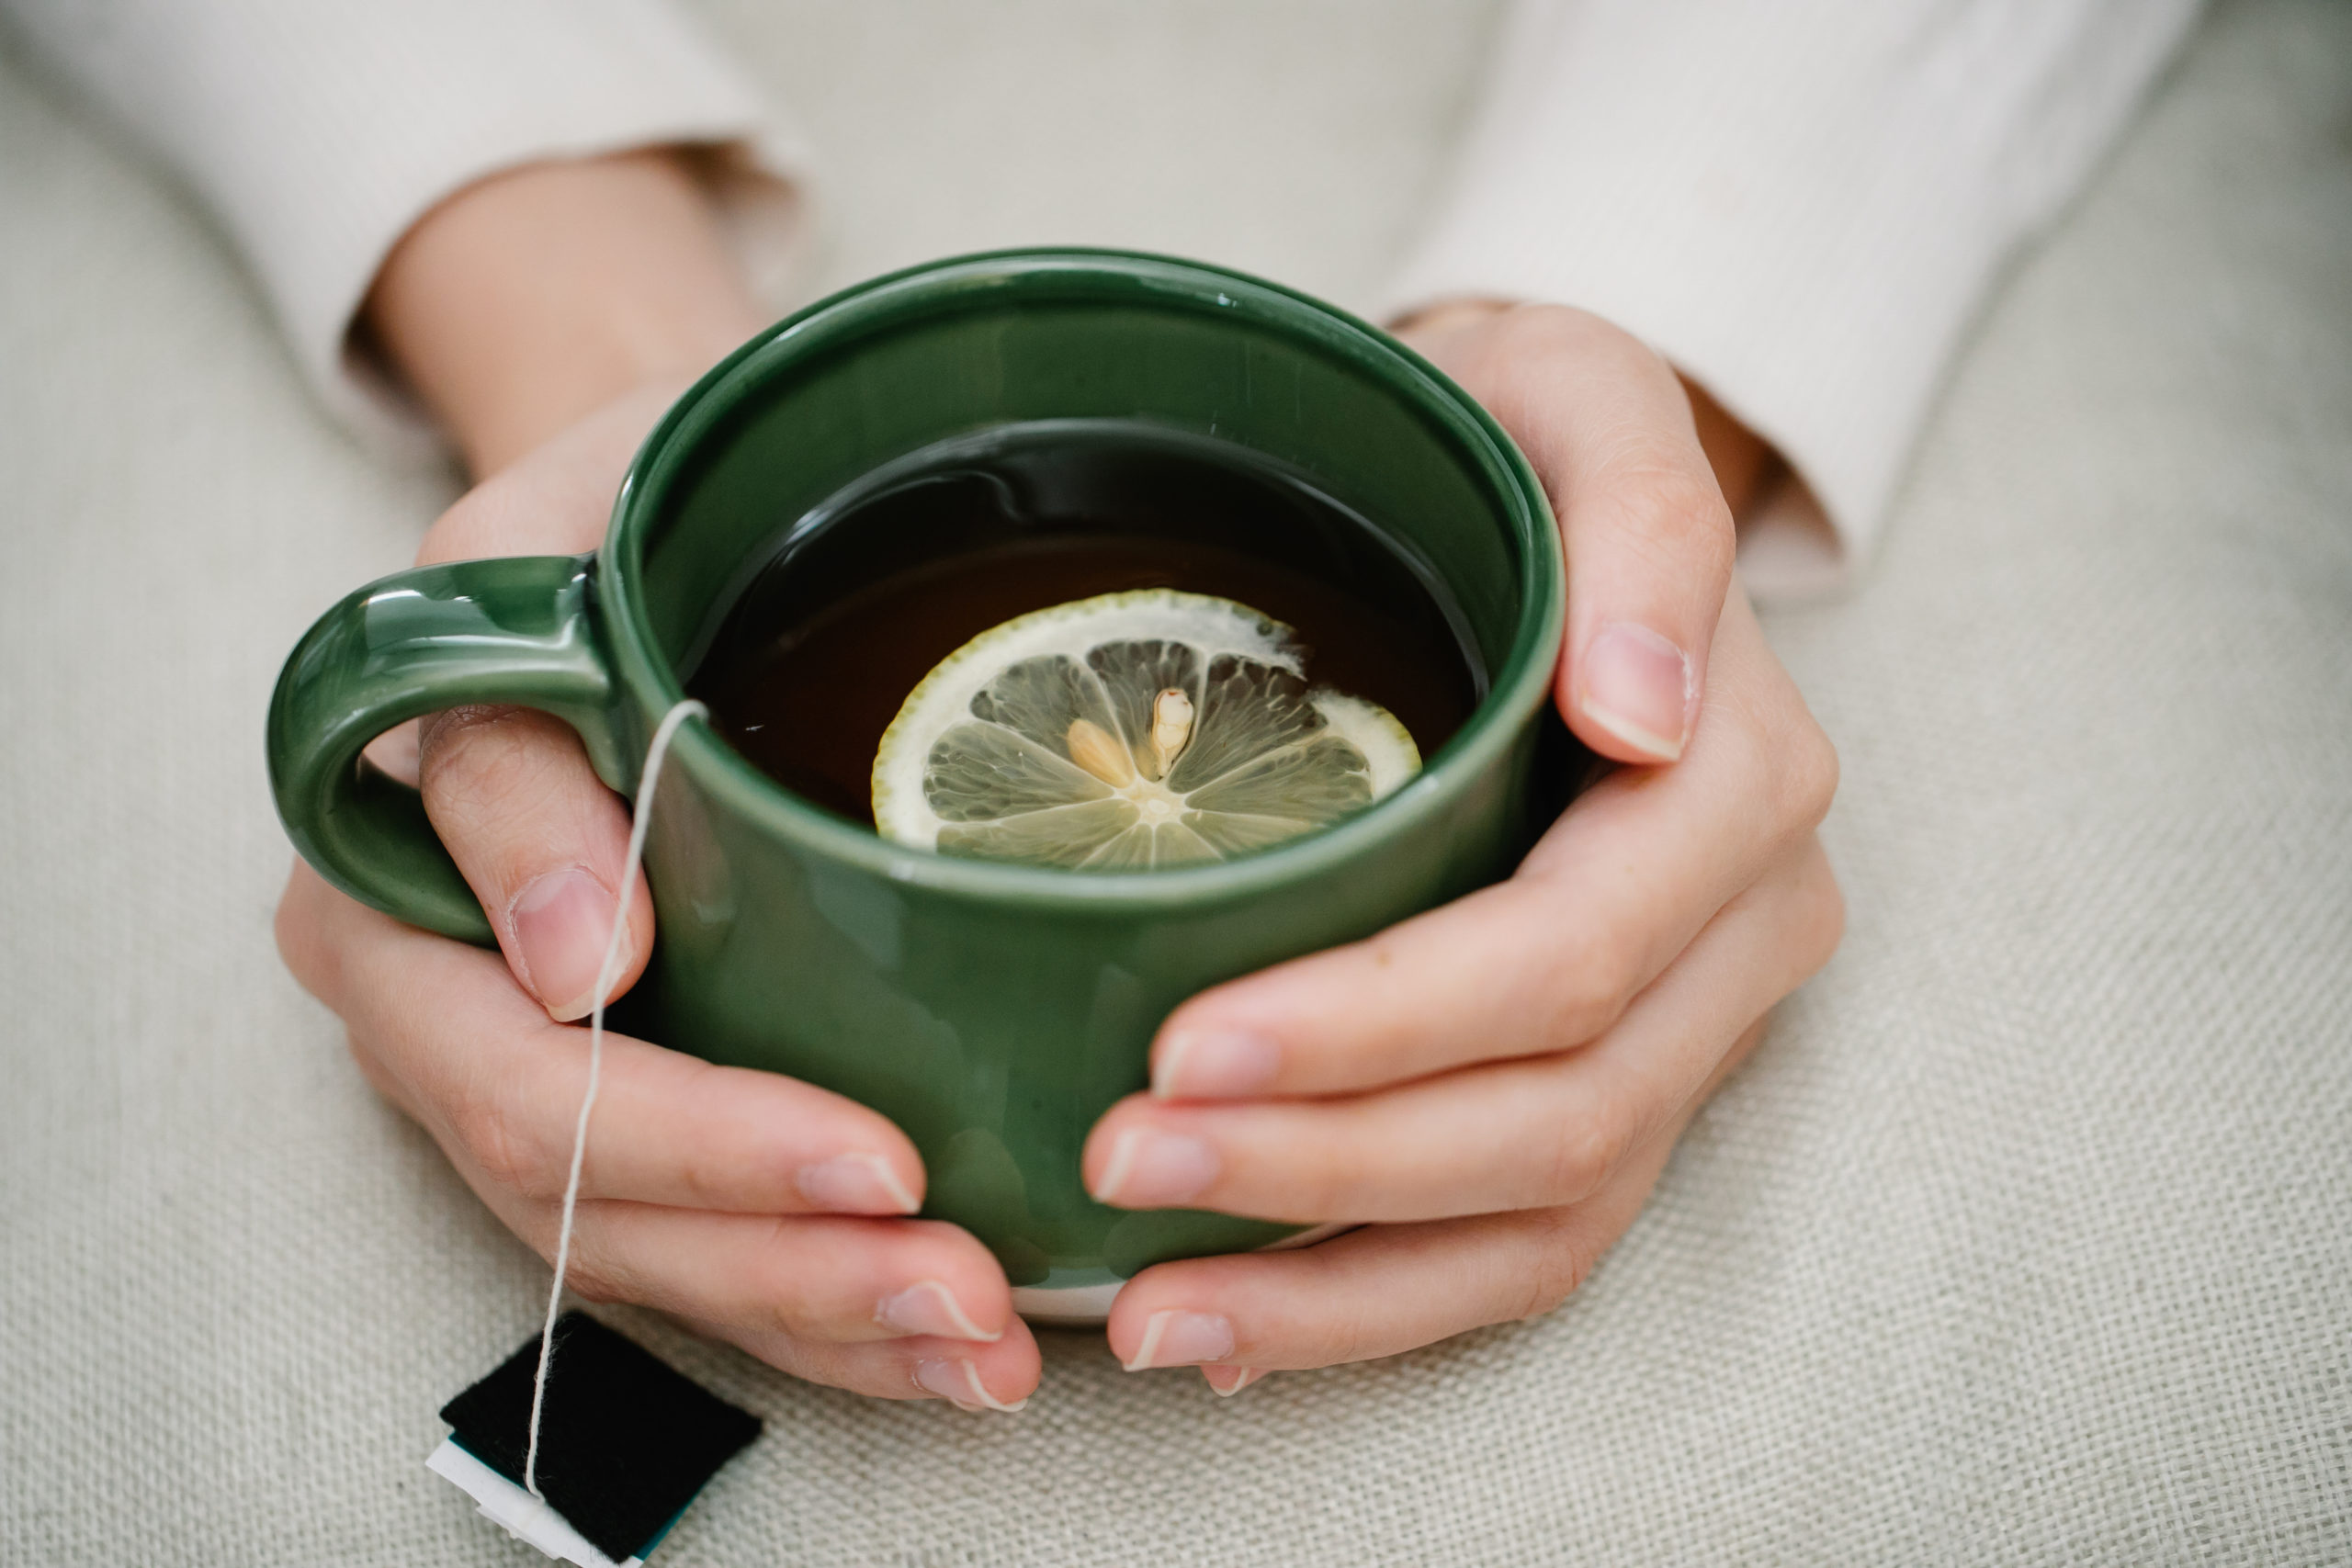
(1129, 732)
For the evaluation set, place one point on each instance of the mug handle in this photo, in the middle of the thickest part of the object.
(515, 629)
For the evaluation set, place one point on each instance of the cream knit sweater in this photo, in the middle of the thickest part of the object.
(1800, 202)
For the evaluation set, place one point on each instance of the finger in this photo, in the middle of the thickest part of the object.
(999, 1377)
(499, 1087)
(544, 845)
(1386, 1289)
(306, 924)
(1648, 534)
(1376, 1292)
(824, 1277)
(1616, 889)
(901, 1309)
(1528, 1133)
(539, 839)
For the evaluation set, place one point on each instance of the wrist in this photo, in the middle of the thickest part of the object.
(529, 298)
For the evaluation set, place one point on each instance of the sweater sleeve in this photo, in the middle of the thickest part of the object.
(319, 131)
(1801, 203)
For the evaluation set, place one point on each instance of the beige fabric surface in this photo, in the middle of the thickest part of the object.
(2027, 1237)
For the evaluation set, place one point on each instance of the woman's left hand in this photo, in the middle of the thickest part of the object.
(1489, 1091)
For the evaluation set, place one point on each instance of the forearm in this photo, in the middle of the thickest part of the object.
(532, 297)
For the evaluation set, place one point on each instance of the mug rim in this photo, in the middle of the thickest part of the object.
(1521, 685)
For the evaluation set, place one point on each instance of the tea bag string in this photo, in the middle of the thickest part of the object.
(606, 977)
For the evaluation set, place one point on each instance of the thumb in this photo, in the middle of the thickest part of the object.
(1647, 536)
(542, 842)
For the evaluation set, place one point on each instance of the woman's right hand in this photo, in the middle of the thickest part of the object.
(762, 1210)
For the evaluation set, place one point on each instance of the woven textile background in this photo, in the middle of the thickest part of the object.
(2027, 1235)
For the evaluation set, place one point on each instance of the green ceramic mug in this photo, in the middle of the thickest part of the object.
(992, 1011)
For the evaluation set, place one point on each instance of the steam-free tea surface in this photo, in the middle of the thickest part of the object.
(858, 601)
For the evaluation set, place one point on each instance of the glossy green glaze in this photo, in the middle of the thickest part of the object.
(992, 1011)
(513, 630)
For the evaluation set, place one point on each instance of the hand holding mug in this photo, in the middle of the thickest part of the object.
(513, 797)
(763, 1210)
(1493, 1086)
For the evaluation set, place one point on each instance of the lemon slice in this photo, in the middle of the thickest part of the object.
(1129, 732)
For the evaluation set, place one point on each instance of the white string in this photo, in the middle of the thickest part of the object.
(606, 977)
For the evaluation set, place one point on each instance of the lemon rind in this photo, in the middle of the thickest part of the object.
(1388, 746)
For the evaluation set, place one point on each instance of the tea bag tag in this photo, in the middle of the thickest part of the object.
(626, 1443)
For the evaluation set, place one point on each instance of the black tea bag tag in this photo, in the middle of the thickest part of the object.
(625, 1443)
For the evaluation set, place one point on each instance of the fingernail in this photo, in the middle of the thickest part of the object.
(959, 1383)
(856, 1184)
(561, 922)
(1152, 1169)
(1181, 1338)
(1226, 1382)
(928, 1306)
(1213, 1064)
(1637, 687)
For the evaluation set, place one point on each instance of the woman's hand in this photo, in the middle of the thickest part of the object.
(764, 1212)
(1492, 1088)
(548, 315)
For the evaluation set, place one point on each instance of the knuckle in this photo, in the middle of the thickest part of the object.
(708, 1168)
(1546, 329)
(1821, 914)
(1790, 757)
(451, 729)
(707, 1176)
(592, 1279)
(379, 1077)
(1595, 988)
(463, 529)
(1809, 771)
(507, 514)
(1347, 1338)
(1312, 1191)
(1345, 1327)
(1561, 1264)
(1585, 1150)
(1670, 511)
(494, 757)
(775, 1293)
(768, 1302)
(300, 945)
(311, 939)
(507, 1155)
(1522, 350)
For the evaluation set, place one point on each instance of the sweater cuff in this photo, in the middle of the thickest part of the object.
(321, 131)
(440, 108)
(1800, 205)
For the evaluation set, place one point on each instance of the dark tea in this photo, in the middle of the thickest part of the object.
(857, 600)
